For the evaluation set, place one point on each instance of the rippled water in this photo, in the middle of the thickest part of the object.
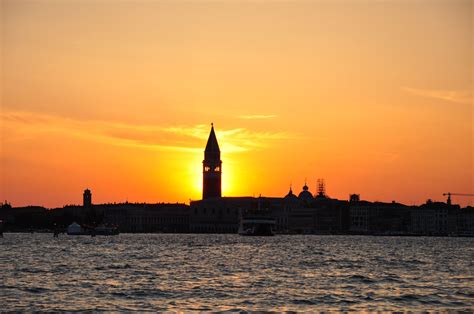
(229, 272)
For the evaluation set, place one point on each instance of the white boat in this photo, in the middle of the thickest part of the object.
(75, 229)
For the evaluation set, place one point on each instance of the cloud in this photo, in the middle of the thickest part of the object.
(257, 116)
(456, 96)
(179, 138)
(232, 140)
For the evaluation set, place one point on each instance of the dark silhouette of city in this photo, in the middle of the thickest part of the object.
(304, 213)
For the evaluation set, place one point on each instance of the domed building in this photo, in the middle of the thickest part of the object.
(305, 194)
(290, 195)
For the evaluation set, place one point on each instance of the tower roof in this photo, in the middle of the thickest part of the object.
(212, 146)
(290, 194)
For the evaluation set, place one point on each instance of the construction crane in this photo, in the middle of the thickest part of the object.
(457, 194)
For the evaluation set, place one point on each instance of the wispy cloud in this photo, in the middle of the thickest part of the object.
(257, 116)
(233, 140)
(168, 138)
(456, 96)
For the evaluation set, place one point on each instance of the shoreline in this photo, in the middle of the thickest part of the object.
(276, 234)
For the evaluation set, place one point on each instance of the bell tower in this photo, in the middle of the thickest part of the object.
(211, 168)
(87, 199)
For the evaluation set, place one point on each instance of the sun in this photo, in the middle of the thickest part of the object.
(194, 173)
(228, 177)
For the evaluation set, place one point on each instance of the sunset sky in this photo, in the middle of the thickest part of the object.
(118, 96)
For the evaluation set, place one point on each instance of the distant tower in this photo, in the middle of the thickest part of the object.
(87, 199)
(212, 168)
(354, 198)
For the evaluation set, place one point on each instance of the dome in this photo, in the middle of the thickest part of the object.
(305, 194)
(290, 194)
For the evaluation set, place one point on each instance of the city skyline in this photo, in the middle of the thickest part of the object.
(212, 184)
(374, 98)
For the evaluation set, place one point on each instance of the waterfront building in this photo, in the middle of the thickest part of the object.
(434, 218)
(379, 218)
(282, 213)
(327, 216)
(218, 215)
(24, 218)
(143, 217)
(464, 221)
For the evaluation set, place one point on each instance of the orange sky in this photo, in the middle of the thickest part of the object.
(373, 96)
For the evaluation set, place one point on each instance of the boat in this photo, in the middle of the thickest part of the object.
(76, 229)
(106, 230)
(256, 223)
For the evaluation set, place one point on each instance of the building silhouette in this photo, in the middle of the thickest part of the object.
(305, 194)
(87, 199)
(296, 213)
(212, 168)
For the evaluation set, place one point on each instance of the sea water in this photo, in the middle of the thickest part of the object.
(213, 272)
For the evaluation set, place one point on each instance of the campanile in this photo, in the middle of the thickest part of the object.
(211, 168)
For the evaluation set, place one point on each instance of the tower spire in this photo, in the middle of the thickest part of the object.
(212, 147)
